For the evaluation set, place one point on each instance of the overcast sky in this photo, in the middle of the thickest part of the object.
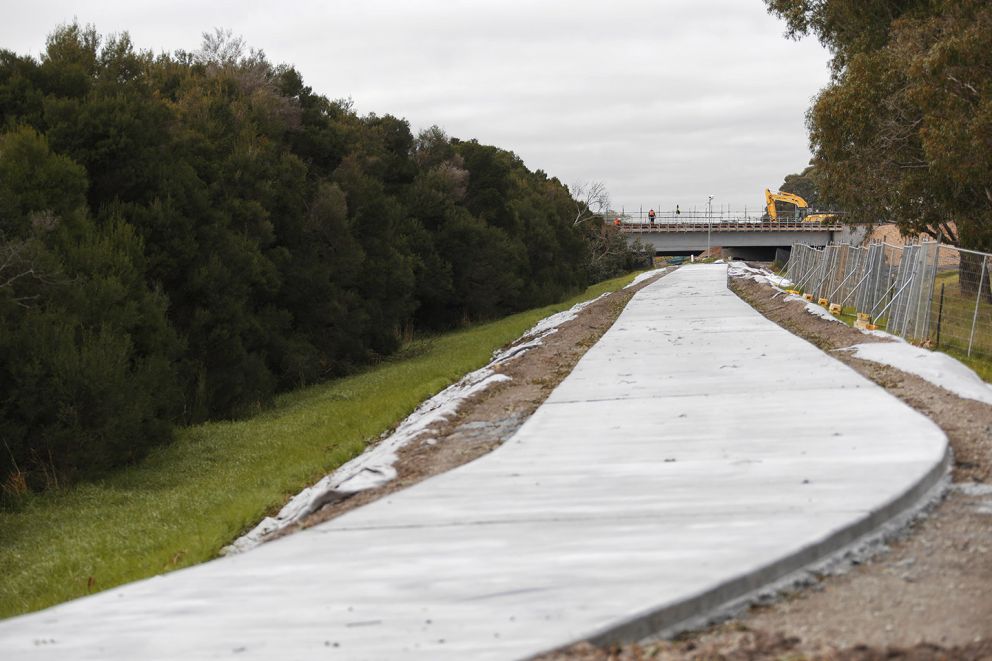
(665, 101)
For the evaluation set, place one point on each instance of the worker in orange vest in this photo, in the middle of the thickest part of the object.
(616, 221)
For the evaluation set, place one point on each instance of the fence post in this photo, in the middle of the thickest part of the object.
(940, 314)
(877, 280)
(978, 299)
(861, 295)
(933, 285)
(911, 304)
(899, 308)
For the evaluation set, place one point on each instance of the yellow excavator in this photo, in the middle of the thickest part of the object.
(802, 208)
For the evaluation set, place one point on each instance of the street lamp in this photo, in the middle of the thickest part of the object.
(709, 221)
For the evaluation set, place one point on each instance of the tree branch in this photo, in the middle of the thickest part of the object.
(591, 200)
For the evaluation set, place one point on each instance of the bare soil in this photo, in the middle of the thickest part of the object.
(928, 596)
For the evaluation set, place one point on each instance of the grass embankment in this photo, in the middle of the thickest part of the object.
(188, 500)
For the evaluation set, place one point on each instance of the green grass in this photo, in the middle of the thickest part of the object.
(956, 324)
(188, 500)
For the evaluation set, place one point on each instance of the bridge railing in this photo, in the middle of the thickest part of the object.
(687, 215)
(697, 224)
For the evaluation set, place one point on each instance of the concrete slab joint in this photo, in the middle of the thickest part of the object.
(676, 469)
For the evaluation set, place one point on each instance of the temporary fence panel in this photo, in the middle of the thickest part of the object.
(924, 292)
(960, 312)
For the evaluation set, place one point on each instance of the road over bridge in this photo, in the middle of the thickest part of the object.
(743, 238)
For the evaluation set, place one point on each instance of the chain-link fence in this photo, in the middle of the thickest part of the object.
(926, 292)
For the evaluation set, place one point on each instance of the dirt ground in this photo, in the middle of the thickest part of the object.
(927, 596)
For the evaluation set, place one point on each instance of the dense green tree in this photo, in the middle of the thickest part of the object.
(846, 27)
(70, 62)
(804, 185)
(183, 235)
(35, 182)
(491, 184)
(87, 356)
(485, 266)
(21, 94)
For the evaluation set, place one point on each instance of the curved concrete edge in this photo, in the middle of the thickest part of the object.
(732, 595)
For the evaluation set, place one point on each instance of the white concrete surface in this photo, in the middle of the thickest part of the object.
(696, 452)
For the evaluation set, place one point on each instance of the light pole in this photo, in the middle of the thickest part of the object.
(709, 221)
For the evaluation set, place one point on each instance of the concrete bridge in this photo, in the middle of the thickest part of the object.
(743, 238)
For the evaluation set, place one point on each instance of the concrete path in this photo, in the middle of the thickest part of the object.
(696, 452)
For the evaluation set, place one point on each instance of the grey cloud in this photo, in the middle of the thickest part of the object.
(666, 100)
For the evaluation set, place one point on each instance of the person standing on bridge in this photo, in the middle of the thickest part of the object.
(651, 217)
(677, 211)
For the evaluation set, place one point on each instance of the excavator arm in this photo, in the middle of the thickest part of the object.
(771, 198)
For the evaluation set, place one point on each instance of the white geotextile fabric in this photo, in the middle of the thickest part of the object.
(641, 277)
(764, 276)
(742, 270)
(374, 467)
(813, 308)
(933, 366)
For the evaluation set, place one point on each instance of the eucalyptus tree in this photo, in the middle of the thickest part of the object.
(904, 128)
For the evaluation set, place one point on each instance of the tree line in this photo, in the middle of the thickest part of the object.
(184, 235)
(903, 131)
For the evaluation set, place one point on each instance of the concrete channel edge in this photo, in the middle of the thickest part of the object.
(733, 595)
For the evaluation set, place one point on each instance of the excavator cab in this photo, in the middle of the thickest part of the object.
(771, 198)
(803, 212)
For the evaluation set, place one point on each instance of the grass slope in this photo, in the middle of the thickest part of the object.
(187, 500)
(957, 317)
